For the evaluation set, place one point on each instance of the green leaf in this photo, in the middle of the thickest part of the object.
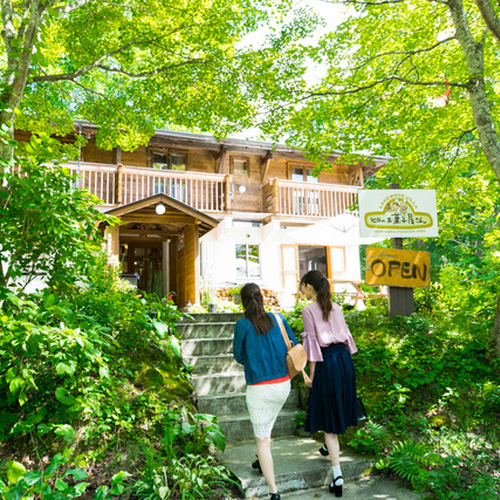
(101, 492)
(16, 384)
(55, 463)
(161, 328)
(32, 477)
(43, 429)
(64, 396)
(217, 436)
(66, 368)
(15, 470)
(60, 485)
(65, 431)
(78, 474)
(174, 345)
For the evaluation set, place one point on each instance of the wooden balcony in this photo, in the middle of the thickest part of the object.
(306, 199)
(211, 193)
(121, 185)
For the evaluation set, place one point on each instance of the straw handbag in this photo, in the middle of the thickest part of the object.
(296, 358)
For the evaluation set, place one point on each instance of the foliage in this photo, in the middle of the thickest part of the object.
(50, 484)
(46, 226)
(190, 477)
(143, 65)
(92, 369)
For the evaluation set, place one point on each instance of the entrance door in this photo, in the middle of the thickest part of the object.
(313, 258)
(145, 260)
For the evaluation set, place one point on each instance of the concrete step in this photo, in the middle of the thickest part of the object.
(297, 466)
(206, 346)
(219, 363)
(366, 488)
(219, 383)
(233, 404)
(211, 318)
(238, 428)
(205, 330)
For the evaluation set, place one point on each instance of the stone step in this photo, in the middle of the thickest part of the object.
(219, 383)
(297, 465)
(205, 330)
(210, 318)
(239, 428)
(219, 363)
(206, 346)
(233, 404)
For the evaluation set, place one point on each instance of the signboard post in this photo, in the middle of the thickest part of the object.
(398, 213)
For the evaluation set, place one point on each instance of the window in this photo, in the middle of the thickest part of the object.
(170, 161)
(302, 173)
(247, 261)
(239, 166)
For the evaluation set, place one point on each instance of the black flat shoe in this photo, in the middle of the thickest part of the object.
(337, 489)
(324, 450)
(275, 496)
(256, 464)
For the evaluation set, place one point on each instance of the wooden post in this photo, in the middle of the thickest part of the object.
(400, 298)
(227, 192)
(119, 184)
(276, 196)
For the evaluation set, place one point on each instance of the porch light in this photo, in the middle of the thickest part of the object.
(160, 209)
(242, 189)
(442, 100)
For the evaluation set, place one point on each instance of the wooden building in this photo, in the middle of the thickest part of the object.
(201, 213)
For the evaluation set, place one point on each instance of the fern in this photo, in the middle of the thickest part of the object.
(410, 461)
(378, 432)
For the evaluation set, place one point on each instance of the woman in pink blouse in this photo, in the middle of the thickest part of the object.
(329, 344)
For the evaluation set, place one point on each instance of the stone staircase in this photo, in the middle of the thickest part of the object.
(219, 385)
(218, 380)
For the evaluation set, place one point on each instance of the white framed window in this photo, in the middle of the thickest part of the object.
(247, 261)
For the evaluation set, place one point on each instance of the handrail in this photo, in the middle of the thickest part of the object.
(306, 199)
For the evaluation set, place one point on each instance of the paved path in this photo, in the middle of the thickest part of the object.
(301, 473)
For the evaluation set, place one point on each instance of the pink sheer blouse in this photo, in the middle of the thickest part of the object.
(320, 333)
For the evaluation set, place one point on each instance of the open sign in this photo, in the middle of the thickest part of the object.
(405, 268)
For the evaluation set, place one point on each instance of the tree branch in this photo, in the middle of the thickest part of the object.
(406, 53)
(66, 9)
(390, 78)
(490, 17)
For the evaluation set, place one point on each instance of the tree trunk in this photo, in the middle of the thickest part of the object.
(494, 343)
(488, 136)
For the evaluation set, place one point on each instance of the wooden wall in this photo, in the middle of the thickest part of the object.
(188, 268)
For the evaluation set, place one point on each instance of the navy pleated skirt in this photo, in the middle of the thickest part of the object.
(332, 400)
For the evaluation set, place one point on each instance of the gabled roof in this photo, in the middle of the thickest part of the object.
(176, 213)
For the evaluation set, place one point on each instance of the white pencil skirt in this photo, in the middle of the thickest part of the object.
(264, 402)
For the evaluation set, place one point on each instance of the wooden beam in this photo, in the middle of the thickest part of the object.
(265, 163)
(220, 161)
(158, 219)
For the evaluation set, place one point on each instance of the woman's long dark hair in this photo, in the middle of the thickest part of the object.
(322, 288)
(251, 298)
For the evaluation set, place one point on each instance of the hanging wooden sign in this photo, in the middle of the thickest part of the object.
(404, 268)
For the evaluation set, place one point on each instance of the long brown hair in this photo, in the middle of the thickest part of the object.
(251, 298)
(321, 286)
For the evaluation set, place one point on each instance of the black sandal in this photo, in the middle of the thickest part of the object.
(256, 464)
(337, 489)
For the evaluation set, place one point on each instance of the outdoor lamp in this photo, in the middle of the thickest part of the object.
(160, 209)
(442, 100)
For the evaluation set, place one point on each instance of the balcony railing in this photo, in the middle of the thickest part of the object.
(121, 185)
(212, 193)
(305, 199)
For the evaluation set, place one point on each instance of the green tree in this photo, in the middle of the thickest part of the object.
(46, 226)
(385, 64)
(133, 66)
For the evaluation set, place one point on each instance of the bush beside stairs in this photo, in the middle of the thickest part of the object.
(219, 386)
